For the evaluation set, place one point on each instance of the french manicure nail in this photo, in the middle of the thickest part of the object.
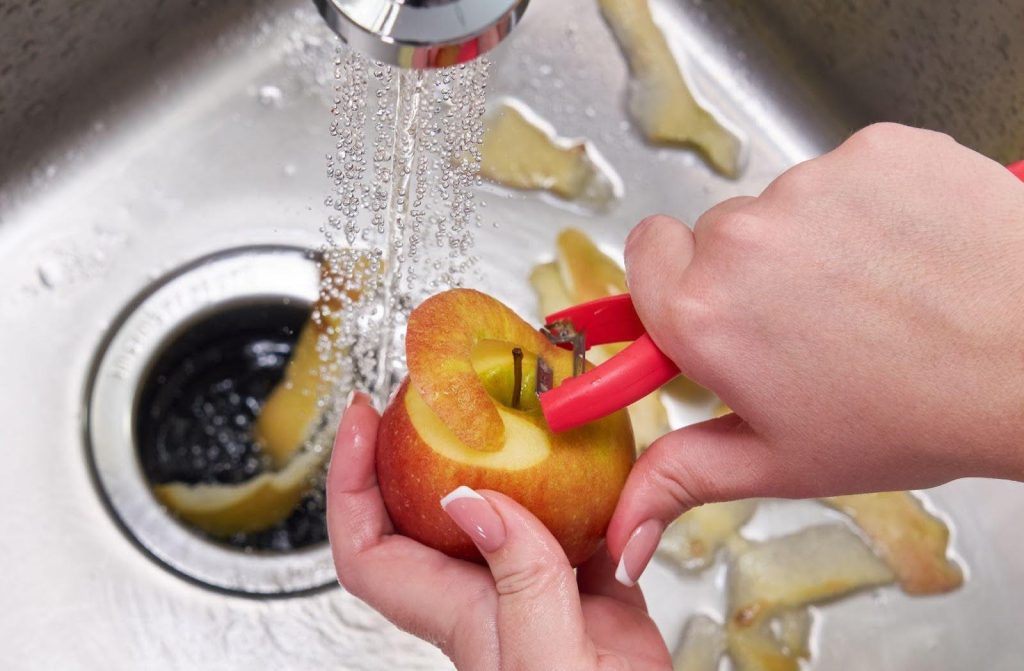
(356, 397)
(475, 516)
(638, 552)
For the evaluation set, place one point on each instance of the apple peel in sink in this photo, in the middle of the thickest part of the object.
(460, 419)
(519, 153)
(660, 100)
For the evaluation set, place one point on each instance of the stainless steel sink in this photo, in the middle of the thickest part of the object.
(138, 138)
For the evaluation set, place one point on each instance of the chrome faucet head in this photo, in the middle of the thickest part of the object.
(422, 34)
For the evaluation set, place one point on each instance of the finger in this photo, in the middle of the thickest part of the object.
(718, 460)
(417, 588)
(707, 221)
(658, 250)
(596, 576)
(540, 620)
(359, 515)
(658, 255)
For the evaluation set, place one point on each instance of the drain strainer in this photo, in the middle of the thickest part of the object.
(184, 325)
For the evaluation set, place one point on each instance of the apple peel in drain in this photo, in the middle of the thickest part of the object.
(285, 424)
(456, 421)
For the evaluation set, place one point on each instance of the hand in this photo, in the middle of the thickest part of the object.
(528, 612)
(863, 317)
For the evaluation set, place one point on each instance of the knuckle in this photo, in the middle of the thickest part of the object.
(799, 183)
(877, 135)
(884, 137)
(689, 324)
(687, 485)
(531, 577)
(351, 581)
(690, 313)
(739, 229)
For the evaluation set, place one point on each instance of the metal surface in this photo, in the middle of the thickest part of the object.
(422, 33)
(137, 337)
(562, 333)
(199, 127)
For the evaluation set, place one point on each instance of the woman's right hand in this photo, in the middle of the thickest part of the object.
(863, 317)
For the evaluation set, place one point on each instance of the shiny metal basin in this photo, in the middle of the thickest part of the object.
(136, 138)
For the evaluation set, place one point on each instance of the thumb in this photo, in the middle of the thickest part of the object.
(718, 460)
(540, 619)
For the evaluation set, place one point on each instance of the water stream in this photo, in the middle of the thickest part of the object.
(402, 210)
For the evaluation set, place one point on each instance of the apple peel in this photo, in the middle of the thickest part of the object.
(441, 337)
(525, 443)
(816, 564)
(695, 537)
(253, 505)
(756, 649)
(912, 541)
(795, 631)
(290, 413)
(518, 153)
(701, 647)
(660, 100)
(588, 273)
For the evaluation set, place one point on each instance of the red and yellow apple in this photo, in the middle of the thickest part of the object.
(453, 422)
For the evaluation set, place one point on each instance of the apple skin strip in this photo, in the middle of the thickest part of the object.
(659, 99)
(701, 646)
(912, 541)
(254, 505)
(816, 564)
(517, 152)
(694, 539)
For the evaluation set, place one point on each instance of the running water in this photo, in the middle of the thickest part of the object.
(402, 211)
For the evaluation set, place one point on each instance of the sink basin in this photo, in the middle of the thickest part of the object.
(137, 139)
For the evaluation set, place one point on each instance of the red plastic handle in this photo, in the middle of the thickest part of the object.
(1017, 169)
(602, 321)
(624, 379)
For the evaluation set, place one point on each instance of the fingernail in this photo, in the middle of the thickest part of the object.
(475, 516)
(638, 552)
(639, 229)
(356, 397)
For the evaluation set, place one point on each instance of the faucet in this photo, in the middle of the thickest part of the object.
(420, 34)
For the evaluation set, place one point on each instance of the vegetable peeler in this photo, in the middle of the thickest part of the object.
(624, 379)
(627, 377)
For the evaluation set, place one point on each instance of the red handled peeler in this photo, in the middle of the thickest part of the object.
(627, 377)
(624, 379)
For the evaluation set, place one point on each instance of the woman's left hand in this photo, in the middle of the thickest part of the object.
(528, 612)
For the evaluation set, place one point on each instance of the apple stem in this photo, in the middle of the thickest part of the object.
(517, 376)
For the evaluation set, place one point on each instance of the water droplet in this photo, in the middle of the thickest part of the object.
(51, 273)
(269, 95)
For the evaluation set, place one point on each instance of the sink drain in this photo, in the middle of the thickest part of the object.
(174, 391)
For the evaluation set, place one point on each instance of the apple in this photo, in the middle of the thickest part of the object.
(454, 421)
